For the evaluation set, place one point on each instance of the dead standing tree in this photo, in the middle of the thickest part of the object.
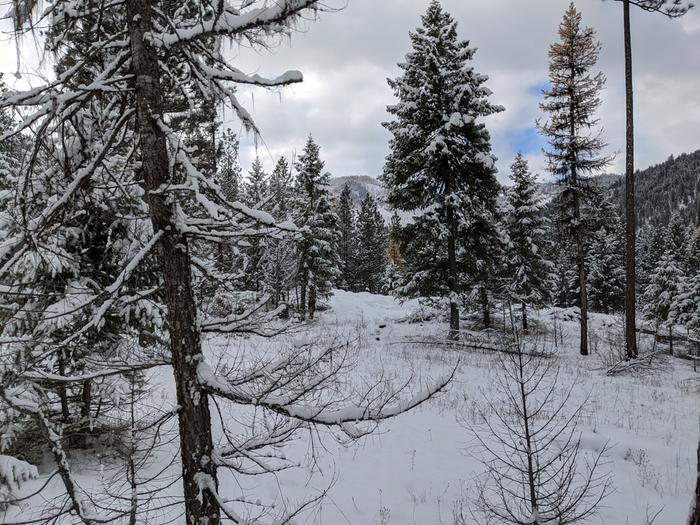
(537, 470)
(670, 9)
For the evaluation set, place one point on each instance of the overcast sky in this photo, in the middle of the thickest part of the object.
(346, 57)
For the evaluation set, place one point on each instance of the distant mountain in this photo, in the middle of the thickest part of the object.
(672, 186)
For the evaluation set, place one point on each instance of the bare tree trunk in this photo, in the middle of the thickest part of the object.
(194, 418)
(452, 264)
(313, 293)
(630, 212)
(302, 293)
(485, 307)
(583, 294)
(670, 338)
(86, 400)
(695, 516)
(525, 328)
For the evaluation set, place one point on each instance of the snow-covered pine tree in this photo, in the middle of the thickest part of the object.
(370, 247)
(318, 251)
(229, 171)
(685, 309)
(653, 240)
(255, 195)
(440, 166)
(665, 284)
(606, 259)
(529, 273)
(393, 274)
(280, 256)
(346, 245)
(678, 240)
(574, 144)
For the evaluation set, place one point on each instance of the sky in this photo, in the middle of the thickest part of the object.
(346, 56)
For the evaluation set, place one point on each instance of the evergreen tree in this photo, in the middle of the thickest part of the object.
(440, 166)
(685, 309)
(371, 247)
(346, 245)
(279, 259)
(574, 149)
(318, 252)
(529, 272)
(606, 252)
(652, 246)
(393, 275)
(678, 240)
(255, 195)
(662, 292)
(229, 169)
(256, 185)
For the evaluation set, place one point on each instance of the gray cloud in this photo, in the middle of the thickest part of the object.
(346, 57)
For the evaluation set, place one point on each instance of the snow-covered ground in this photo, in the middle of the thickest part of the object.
(417, 467)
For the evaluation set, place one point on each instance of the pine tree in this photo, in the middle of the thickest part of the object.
(371, 247)
(606, 252)
(529, 272)
(346, 245)
(661, 293)
(318, 257)
(653, 241)
(255, 195)
(393, 277)
(440, 166)
(678, 240)
(256, 185)
(279, 259)
(574, 149)
(685, 309)
(229, 170)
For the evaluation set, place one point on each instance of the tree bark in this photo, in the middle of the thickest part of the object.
(583, 293)
(313, 296)
(452, 265)
(670, 338)
(525, 328)
(485, 307)
(194, 418)
(302, 293)
(630, 212)
(695, 516)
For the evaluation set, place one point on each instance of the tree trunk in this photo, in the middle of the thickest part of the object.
(62, 389)
(695, 516)
(525, 329)
(630, 212)
(313, 296)
(485, 307)
(302, 293)
(670, 338)
(194, 418)
(452, 264)
(583, 295)
(86, 400)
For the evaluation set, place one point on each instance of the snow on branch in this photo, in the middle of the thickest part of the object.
(270, 17)
(292, 389)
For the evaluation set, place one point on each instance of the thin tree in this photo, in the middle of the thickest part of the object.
(535, 470)
(440, 166)
(670, 9)
(574, 145)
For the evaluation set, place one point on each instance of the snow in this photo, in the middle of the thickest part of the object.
(419, 466)
(15, 472)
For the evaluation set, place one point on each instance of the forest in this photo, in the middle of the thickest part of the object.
(194, 334)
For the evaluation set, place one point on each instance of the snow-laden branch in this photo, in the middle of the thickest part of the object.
(271, 17)
(372, 410)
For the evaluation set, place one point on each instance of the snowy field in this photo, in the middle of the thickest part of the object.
(417, 468)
